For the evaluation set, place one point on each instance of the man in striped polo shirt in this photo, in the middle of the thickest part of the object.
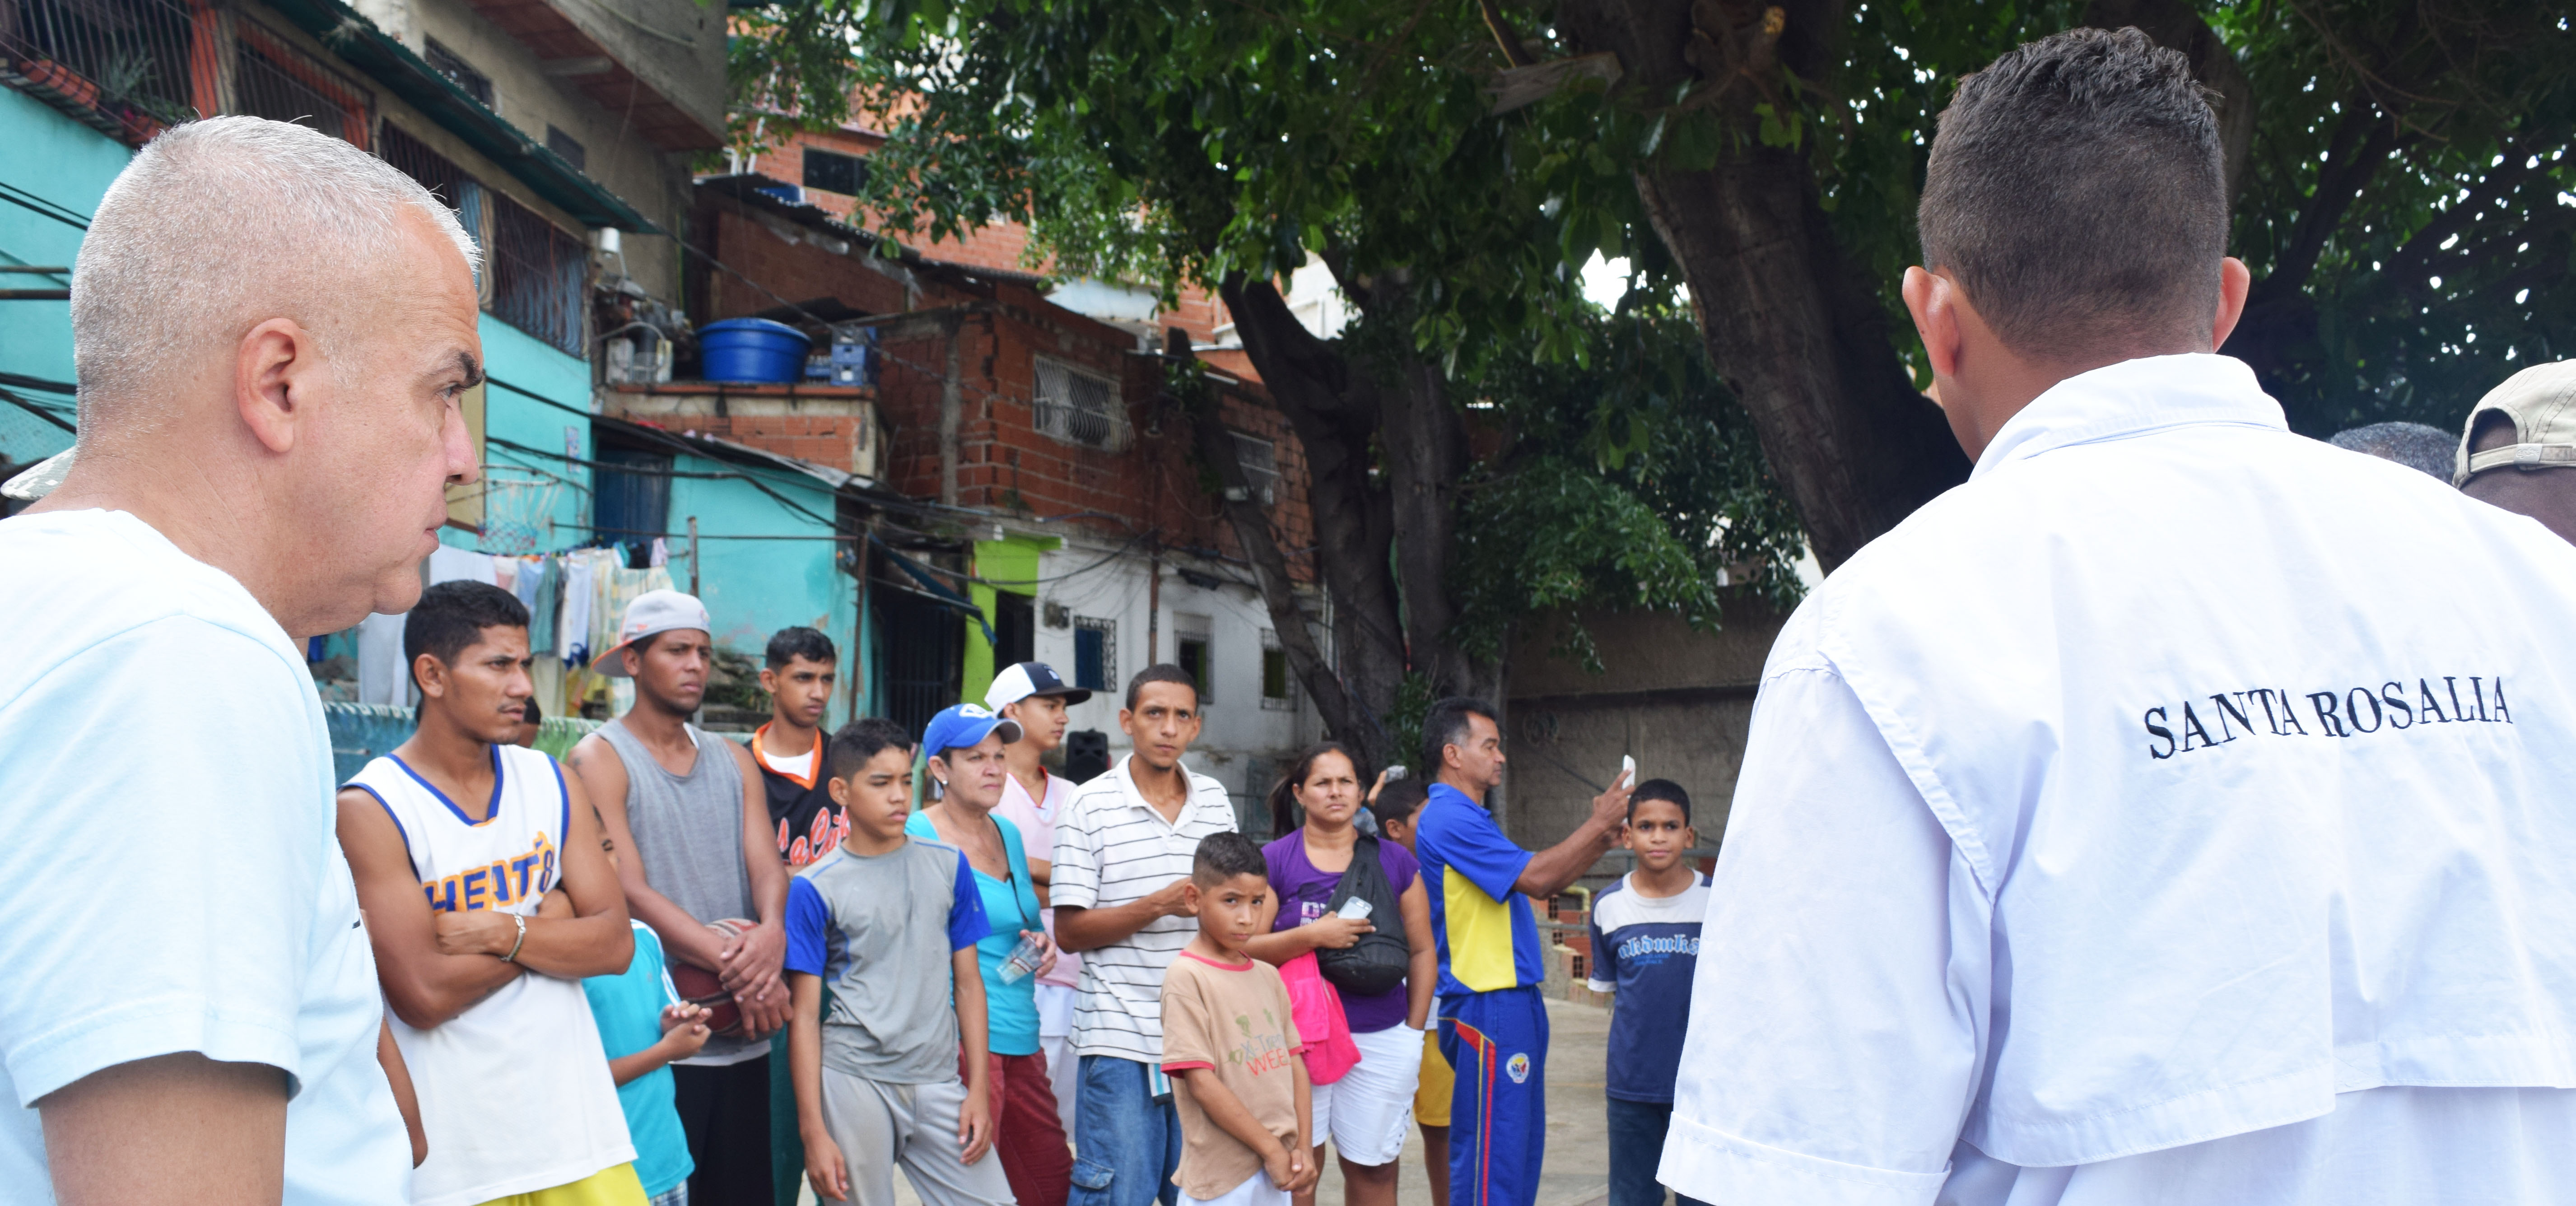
(1122, 853)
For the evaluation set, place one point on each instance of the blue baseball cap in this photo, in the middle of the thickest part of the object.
(964, 725)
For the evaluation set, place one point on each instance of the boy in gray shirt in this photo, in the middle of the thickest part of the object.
(890, 923)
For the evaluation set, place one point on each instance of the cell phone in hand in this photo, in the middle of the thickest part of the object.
(1396, 772)
(1628, 767)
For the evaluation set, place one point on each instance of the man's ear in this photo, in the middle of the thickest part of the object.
(430, 675)
(1190, 894)
(840, 789)
(633, 659)
(769, 680)
(1932, 299)
(2234, 281)
(275, 369)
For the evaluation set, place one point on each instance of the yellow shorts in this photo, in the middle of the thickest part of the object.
(1439, 1082)
(607, 1187)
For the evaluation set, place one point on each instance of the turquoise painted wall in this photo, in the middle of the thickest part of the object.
(520, 360)
(754, 587)
(51, 156)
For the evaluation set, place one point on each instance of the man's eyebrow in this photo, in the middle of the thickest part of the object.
(473, 372)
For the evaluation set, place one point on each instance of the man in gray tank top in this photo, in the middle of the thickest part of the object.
(704, 874)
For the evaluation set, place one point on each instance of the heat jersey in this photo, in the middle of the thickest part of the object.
(514, 1092)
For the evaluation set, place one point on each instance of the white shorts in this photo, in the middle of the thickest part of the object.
(1369, 1110)
(1256, 1190)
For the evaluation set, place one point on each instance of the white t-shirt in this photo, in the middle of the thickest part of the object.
(1113, 848)
(2173, 813)
(189, 895)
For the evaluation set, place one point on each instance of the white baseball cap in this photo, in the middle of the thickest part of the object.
(1020, 680)
(652, 613)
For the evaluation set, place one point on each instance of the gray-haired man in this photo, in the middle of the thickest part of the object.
(272, 329)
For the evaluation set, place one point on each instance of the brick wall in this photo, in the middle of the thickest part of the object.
(1004, 463)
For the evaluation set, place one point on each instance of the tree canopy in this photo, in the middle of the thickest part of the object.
(2402, 196)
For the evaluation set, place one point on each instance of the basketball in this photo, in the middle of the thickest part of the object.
(698, 986)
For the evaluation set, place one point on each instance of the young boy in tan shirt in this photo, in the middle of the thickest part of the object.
(1236, 1063)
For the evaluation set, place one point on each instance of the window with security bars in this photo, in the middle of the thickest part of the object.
(533, 272)
(274, 80)
(1095, 653)
(1259, 459)
(1079, 407)
(1278, 682)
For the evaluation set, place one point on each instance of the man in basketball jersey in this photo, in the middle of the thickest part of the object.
(454, 839)
(692, 808)
(801, 668)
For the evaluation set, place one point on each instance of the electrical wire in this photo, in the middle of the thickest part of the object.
(27, 200)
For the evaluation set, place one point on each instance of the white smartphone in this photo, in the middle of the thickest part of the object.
(1628, 767)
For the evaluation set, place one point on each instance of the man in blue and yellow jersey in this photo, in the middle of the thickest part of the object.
(1493, 1026)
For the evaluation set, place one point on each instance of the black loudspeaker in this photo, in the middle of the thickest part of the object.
(1086, 755)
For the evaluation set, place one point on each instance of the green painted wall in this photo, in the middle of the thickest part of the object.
(1013, 559)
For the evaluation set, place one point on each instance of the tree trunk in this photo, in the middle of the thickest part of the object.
(1334, 411)
(1797, 335)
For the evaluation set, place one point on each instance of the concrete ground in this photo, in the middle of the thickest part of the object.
(1576, 1172)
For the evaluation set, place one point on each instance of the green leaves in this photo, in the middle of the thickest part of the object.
(1634, 482)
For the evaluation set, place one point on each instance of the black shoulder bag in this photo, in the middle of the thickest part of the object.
(1378, 962)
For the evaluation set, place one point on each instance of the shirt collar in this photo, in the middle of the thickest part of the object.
(1136, 799)
(2134, 397)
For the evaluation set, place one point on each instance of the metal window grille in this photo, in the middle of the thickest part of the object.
(534, 273)
(126, 68)
(453, 65)
(1079, 407)
(1278, 684)
(1259, 459)
(537, 275)
(1095, 653)
(272, 79)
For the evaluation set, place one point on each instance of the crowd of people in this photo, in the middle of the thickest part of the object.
(2169, 813)
(1241, 1008)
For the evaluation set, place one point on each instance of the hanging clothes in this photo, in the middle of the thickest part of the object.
(572, 628)
(541, 588)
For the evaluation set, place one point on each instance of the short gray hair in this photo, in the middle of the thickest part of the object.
(215, 227)
(2414, 445)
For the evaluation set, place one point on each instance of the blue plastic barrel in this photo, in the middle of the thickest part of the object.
(752, 349)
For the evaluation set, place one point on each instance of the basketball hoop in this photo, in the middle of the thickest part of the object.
(518, 508)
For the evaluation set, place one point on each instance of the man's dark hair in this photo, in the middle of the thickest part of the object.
(1445, 725)
(863, 739)
(453, 615)
(1398, 801)
(1164, 672)
(2414, 445)
(788, 644)
(1222, 856)
(1660, 789)
(2076, 191)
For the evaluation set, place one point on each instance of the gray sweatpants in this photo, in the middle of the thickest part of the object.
(879, 1125)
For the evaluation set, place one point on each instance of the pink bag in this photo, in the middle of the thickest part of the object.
(1316, 1007)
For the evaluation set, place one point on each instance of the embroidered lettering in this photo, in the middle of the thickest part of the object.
(2342, 712)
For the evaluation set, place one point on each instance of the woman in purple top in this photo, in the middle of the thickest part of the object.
(1368, 1110)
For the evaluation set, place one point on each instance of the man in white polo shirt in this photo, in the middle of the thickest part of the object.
(2176, 812)
(1122, 854)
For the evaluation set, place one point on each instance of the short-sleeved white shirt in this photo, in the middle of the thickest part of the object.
(172, 873)
(2173, 813)
(1112, 848)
